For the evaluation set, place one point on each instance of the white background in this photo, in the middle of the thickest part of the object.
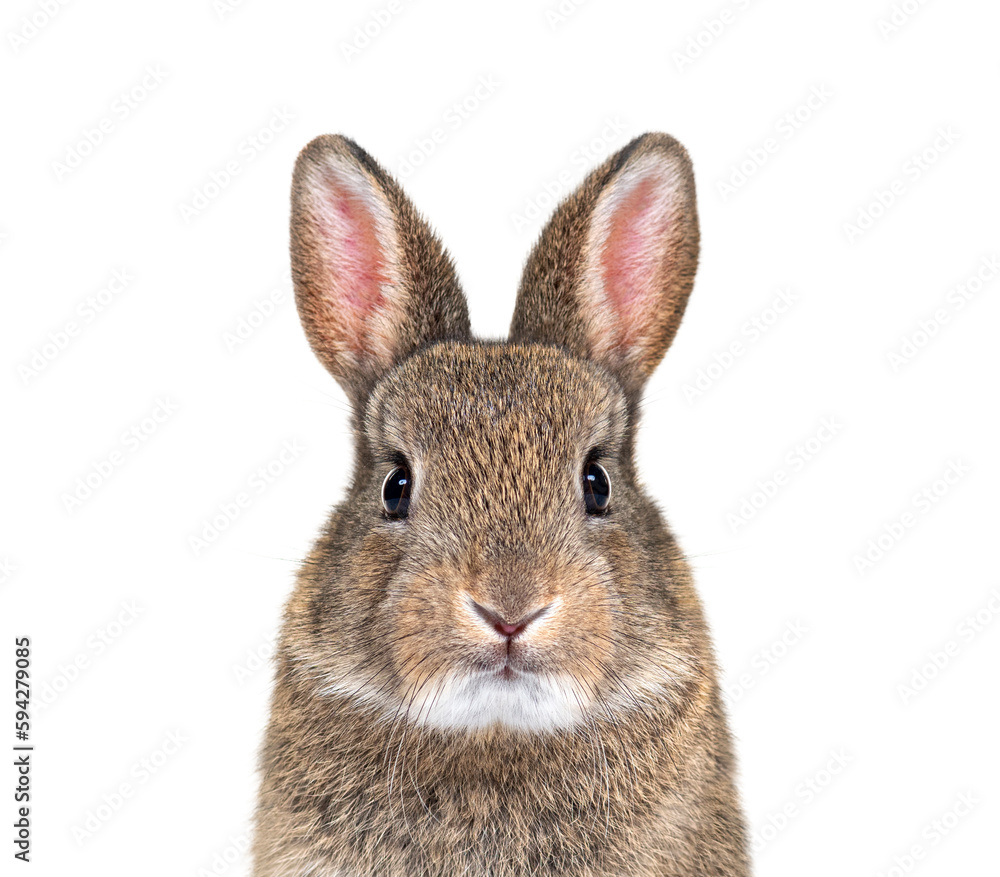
(822, 660)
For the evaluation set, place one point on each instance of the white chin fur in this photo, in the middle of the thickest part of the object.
(527, 702)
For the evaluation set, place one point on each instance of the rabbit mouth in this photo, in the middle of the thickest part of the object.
(503, 671)
(507, 666)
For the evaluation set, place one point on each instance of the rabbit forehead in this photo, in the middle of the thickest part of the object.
(491, 395)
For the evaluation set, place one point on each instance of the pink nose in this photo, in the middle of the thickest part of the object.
(503, 627)
(510, 630)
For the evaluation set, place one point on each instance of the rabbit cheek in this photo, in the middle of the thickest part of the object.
(421, 643)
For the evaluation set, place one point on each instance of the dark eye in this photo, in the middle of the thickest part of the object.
(596, 488)
(396, 492)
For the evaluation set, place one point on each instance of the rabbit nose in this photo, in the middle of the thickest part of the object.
(501, 625)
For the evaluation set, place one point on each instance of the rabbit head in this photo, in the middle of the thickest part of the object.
(495, 564)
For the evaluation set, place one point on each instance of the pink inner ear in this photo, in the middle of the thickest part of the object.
(631, 260)
(355, 259)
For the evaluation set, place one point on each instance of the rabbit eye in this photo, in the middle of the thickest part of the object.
(396, 492)
(596, 488)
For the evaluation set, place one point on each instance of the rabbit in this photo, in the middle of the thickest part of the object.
(494, 661)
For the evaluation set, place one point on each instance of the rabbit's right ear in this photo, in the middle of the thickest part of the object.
(372, 282)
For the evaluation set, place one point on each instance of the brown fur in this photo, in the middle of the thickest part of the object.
(354, 784)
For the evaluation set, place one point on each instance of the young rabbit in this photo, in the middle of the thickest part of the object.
(494, 662)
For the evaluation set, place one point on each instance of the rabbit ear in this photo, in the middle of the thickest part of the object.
(612, 271)
(372, 282)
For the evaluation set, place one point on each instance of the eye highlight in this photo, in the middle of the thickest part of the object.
(596, 488)
(396, 492)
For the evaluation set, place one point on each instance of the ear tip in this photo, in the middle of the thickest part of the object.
(320, 150)
(659, 143)
(326, 143)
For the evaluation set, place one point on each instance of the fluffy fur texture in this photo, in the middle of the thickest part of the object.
(409, 735)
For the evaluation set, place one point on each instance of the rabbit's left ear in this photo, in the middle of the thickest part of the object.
(611, 273)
